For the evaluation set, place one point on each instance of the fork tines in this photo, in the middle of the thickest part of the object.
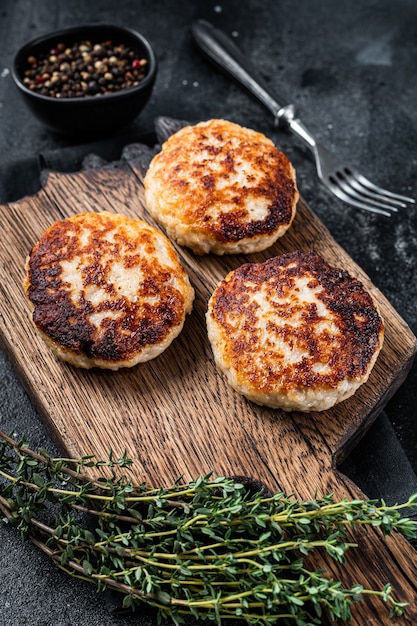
(358, 191)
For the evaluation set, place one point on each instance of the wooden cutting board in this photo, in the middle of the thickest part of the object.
(176, 415)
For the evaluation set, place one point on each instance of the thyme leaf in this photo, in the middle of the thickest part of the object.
(210, 548)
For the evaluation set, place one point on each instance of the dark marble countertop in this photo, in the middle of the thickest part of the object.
(350, 70)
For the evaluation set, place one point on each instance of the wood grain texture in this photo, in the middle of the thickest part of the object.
(176, 415)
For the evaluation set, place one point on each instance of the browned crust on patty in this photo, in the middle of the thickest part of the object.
(348, 352)
(129, 323)
(209, 175)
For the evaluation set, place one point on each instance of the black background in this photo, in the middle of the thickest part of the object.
(349, 67)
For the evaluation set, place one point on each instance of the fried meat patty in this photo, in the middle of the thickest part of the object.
(218, 187)
(294, 332)
(106, 290)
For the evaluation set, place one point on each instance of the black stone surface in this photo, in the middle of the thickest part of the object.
(350, 69)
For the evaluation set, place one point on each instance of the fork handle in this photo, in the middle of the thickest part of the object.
(220, 49)
(227, 56)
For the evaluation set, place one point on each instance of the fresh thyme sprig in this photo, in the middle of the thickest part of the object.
(211, 548)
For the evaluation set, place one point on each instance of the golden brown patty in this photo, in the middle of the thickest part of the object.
(218, 187)
(293, 332)
(106, 290)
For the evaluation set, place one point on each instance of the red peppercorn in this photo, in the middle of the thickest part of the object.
(84, 69)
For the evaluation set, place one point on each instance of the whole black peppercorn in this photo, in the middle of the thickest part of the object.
(84, 69)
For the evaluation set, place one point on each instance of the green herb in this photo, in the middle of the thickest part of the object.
(211, 548)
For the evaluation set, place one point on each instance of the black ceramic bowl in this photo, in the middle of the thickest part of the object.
(89, 114)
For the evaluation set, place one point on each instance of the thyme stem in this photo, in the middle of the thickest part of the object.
(210, 548)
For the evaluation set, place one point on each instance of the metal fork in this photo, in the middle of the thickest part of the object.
(339, 177)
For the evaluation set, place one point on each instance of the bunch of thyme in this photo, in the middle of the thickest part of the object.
(211, 548)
